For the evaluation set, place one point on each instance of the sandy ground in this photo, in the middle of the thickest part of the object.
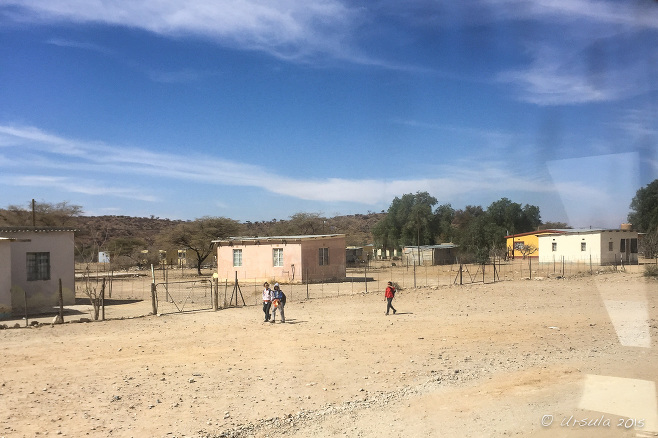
(554, 357)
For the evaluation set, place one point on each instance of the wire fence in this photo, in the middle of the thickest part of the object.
(180, 291)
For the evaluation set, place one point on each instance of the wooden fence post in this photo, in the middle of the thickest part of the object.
(154, 303)
(61, 303)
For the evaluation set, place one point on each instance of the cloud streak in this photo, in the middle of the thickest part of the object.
(288, 29)
(93, 168)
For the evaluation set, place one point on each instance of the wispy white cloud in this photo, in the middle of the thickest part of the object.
(118, 172)
(84, 45)
(289, 29)
(74, 185)
(559, 76)
(95, 168)
(597, 56)
(635, 14)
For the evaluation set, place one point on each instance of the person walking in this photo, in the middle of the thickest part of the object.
(267, 300)
(390, 294)
(279, 302)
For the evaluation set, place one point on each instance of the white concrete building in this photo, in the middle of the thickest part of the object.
(598, 246)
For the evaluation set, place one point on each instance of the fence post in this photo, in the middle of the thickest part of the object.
(61, 303)
(215, 297)
(25, 298)
(154, 303)
(414, 273)
(590, 265)
(103, 301)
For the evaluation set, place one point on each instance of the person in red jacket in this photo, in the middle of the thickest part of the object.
(390, 294)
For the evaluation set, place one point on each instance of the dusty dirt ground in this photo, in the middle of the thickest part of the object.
(579, 355)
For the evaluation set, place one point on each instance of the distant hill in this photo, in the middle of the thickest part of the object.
(96, 231)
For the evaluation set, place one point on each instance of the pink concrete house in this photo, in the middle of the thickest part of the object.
(282, 258)
(32, 261)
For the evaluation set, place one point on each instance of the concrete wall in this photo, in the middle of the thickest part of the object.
(313, 271)
(43, 294)
(5, 278)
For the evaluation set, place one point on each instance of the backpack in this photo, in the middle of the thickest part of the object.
(282, 297)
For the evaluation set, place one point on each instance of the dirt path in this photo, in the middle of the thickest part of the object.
(482, 360)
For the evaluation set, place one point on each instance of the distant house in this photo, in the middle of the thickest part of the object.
(442, 254)
(598, 246)
(176, 257)
(282, 258)
(355, 255)
(32, 261)
(380, 254)
(516, 242)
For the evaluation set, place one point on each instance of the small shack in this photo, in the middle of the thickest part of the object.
(443, 254)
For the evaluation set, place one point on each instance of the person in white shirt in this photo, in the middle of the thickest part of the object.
(267, 300)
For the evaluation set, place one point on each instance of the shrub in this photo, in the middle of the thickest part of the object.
(651, 270)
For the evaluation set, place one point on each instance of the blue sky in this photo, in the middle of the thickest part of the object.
(256, 109)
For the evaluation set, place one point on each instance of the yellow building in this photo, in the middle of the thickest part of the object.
(516, 242)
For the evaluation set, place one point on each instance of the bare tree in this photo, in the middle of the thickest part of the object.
(649, 244)
(95, 296)
(527, 250)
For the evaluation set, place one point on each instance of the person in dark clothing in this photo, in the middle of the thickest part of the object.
(279, 303)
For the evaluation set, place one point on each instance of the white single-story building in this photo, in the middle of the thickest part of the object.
(32, 261)
(282, 258)
(598, 246)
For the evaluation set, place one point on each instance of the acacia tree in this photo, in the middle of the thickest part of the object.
(197, 235)
(302, 223)
(644, 208)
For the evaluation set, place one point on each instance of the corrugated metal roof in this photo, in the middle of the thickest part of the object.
(592, 230)
(277, 238)
(440, 246)
(34, 229)
(530, 233)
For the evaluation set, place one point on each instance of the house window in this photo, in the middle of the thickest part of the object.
(323, 256)
(277, 257)
(610, 248)
(38, 266)
(554, 246)
(622, 245)
(237, 257)
(633, 246)
(583, 246)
